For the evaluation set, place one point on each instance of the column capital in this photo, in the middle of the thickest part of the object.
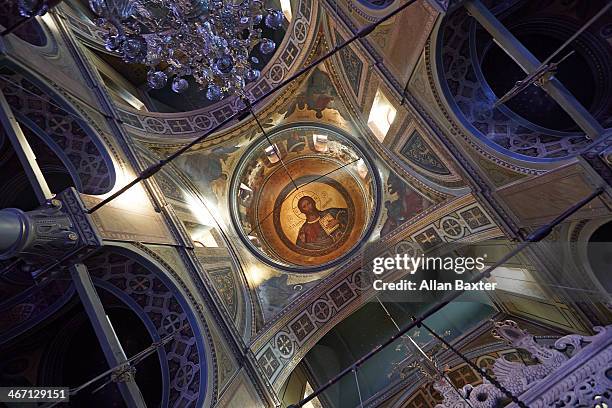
(44, 235)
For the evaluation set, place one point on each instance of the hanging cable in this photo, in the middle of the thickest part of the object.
(432, 364)
(247, 103)
(358, 388)
(15, 26)
(65, 258)
(482, 372)
(537, 235)
(577, 33)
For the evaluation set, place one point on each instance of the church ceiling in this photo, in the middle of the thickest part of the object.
(251, 201)
(234, 196)
(268, 228)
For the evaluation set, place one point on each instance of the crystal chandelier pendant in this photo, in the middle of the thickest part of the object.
(179, 85)
(274, 19)
(267, 46)
(252, 75)
(214, 93)
(157, 79)
(210, 40)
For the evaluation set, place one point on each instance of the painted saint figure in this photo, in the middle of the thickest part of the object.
(322, 227)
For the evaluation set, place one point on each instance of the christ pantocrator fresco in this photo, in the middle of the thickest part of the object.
(322, 228)
(310, 209)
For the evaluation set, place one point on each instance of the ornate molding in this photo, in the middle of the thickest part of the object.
(573, 373)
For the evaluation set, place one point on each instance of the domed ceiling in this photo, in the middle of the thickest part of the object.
(304, 198)
(474, 72)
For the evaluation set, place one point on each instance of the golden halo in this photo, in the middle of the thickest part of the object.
(296, 197)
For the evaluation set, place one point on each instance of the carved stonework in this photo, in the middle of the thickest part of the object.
(517, 377)
(574, 373)
(584, 380)
(519, 338)
(485, 395)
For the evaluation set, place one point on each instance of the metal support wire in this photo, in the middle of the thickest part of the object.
(482, 372)
(123, 367)
(273, 146)
(537, 235)
(577, 33)
(15, 26)
(154, 168)
(440, 373)
(358, 389)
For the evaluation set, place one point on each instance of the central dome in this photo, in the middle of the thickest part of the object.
(304, 199)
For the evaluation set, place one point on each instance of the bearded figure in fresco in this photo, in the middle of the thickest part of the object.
(322, 228)
(405, 206)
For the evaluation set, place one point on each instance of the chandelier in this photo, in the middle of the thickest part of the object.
(209, 40)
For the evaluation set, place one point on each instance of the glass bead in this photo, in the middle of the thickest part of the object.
(157, 79)
(267, 46)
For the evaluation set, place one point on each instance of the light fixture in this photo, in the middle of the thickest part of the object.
(209, 40)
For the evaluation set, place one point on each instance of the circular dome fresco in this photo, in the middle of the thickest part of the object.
(317, 216)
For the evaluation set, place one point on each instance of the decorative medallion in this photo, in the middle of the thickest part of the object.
(305, 198)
